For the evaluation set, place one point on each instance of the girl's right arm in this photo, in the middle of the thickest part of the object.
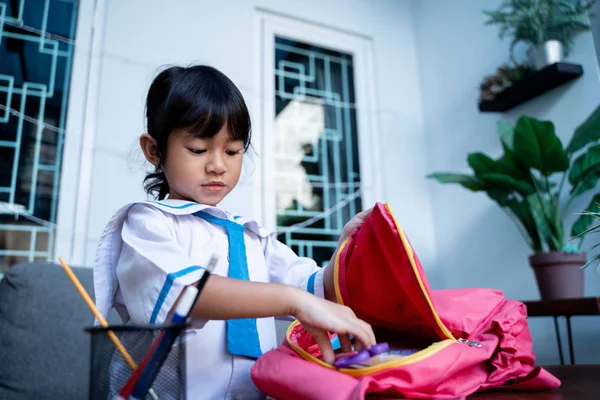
(226, 298)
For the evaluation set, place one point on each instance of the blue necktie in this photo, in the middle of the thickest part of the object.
(242, 334)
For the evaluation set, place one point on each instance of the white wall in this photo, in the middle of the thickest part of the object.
(429, 58)
(476, 243)
(145, 34)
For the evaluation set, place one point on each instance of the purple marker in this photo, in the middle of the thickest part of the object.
(378, 348)
(362, 356)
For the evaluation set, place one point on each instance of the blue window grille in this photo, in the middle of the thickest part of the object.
(36, 53)
(317, 174)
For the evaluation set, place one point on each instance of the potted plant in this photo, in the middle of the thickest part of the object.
(548, 26)
(535, 181)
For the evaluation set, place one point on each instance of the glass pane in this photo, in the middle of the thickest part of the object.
(36, 52)
(317, 175)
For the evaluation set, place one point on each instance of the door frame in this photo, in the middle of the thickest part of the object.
(78, 152)
(270, 25)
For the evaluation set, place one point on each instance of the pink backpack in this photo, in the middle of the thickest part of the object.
(458, 341)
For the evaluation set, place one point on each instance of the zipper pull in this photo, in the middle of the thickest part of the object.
(471, 343)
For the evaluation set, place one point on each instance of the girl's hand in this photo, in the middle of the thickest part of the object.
(319, 316)
(353, 224)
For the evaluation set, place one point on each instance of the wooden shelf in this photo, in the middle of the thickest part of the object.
(533, 85)
(564, 307)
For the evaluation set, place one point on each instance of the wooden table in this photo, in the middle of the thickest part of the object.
(566, 308)
(581, 382)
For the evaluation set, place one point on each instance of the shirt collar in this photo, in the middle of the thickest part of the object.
(185, 207)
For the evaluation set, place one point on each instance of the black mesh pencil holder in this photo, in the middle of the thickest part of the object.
(110, 371)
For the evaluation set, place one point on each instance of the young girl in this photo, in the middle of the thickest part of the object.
(198, 132)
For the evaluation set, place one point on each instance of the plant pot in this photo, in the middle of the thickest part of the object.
(545, 54)
(559, 274)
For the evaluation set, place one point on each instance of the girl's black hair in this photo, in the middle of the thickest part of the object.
(198, 98)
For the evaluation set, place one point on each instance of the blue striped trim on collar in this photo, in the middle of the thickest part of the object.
(177, 207)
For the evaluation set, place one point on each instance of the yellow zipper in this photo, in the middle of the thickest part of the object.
(336, 273)
(413, 358)
(411, 257)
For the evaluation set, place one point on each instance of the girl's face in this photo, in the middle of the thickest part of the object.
(202, 170)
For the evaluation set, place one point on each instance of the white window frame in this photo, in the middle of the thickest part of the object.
(270, 25)
(78, 152)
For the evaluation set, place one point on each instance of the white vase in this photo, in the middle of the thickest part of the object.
(548, 53)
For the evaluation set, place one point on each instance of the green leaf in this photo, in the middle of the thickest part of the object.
(499, 197)
(588, 182)
(518, 169)
(523, 213)
(543, 185)
(584, 164)
(506, 165)
(593, 260)
(592, 229)
(537, 146)
(506, 183)
(548, 225)
(586, 133)
(586, 219)
(506, 133)
(482, 164)
(467, 181)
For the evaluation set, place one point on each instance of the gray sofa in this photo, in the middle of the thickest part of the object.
(44, 350)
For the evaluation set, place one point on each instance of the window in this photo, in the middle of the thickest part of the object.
(316, 137)
(317, 171)
(36, 53)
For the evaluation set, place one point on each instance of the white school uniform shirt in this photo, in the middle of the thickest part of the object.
(150, 251)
